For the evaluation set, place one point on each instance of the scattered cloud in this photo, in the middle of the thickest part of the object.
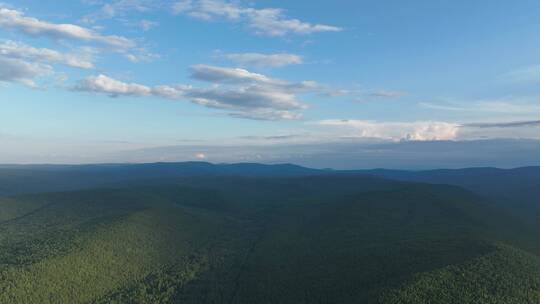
(509, 105)
(230, 75)
(241, 93)
(396, 131)
(274, 137)
(112, 87)
(147, 25)
(387, 94)
(16, 70)
(427, 130)
(526, 75)
(16, 20)
(182, 6)
(221, 75)
(118, 8)
(251, 97)
(512, 124)
(139, 55)
(11, 49)
(265, 60)
(266, 21)
(267, 114)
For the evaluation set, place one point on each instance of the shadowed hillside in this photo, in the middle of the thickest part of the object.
(327, 238)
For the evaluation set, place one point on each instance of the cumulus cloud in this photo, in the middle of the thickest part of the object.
(252, 97)
(16, 20)
(265, 60)
(396, 131)
(230, 75)
(241, 93)
(221, 75)
(16, 70)
(430, 130)
(266, 21)
(112, 87)
(16, 50)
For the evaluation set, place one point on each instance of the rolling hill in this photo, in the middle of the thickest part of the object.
(259, 234)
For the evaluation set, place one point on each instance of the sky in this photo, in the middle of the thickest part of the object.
(341, 83)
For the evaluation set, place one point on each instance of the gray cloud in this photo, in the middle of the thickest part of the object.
(513, 124)
(16, 70)
(222, 75)
(387, 94)
(258, 97)
(245, 97)
(230, 75)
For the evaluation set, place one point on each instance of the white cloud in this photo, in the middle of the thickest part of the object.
(182, 6)
(16, 50)
(141, 55)
(526, 75)
(118, 8)
(220, 75)
(267, 115)
(267, 21)
(238, 92)
(16, 70)
(147, 25)
(246, 95)
(251, 97)
(272, 22)
(396, 131)
(387, 94)
(113, 87)
(14, 19)
(503, 106)
(265, 60)
(230, 75)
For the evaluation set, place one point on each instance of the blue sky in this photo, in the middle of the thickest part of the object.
(93, 80)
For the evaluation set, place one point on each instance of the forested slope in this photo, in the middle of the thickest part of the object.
(238, 239)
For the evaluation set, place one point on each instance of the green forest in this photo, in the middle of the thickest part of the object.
(345, 238)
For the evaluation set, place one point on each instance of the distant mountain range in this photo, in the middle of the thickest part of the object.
(509, 186)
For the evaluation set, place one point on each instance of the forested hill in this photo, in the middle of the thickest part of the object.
(515, 189)
(235, 239)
